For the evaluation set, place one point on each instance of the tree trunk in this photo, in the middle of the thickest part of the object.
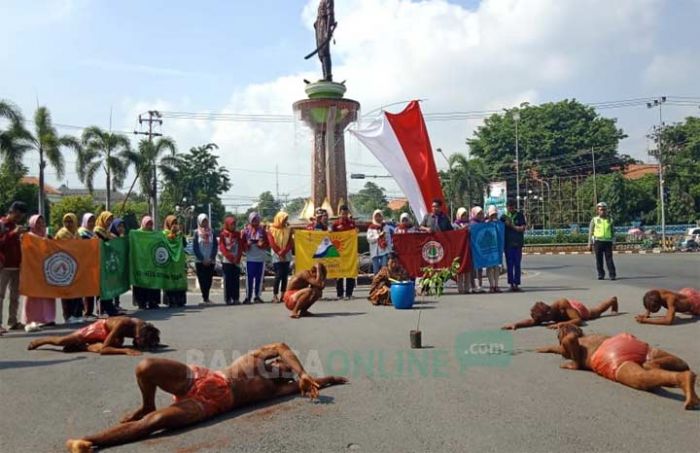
(108, 201)
(42, 211)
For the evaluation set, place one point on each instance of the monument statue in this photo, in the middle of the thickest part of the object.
(325, 26)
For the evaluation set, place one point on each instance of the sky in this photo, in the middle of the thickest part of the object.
(89, 61)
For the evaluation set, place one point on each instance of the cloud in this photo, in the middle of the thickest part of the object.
(496, 55)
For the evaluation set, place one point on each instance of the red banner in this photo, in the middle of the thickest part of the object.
(418, 250)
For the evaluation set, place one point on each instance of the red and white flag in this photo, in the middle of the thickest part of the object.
(400, 142)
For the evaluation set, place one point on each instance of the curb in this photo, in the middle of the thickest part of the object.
(615, 252)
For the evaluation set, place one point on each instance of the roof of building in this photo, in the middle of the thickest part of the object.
(636, 171)
(397, 203)
(33, 180)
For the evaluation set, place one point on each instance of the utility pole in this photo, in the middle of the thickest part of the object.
(595, 184)
(516, 118)
(153, 117)
(658, 103)
(277, 182)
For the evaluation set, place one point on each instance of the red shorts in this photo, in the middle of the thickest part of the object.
(210, 389)
(288, 298)
(693, 296)
(617, 350)
(580, 308)
(94, 333)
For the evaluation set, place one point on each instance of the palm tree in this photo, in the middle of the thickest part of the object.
(103, 150)
(148, 161)
(12, 147)
(467, 180)
(48, 142)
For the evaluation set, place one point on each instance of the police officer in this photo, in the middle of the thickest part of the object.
(601, 236)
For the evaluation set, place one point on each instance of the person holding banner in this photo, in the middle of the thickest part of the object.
(344, 223)
(476, 277)
(320, 221)
(171, 231)
(118, 230)
(464, 280)
(146, 298)
(436, 220)
(86, 232)
(255, 241)
(38, 311)
(72, 308)
(379, 238)
(405, 225)
(103, 227)
(493, 272)
(231, 248)
(204, 245)
(10, 260)
(279, 236)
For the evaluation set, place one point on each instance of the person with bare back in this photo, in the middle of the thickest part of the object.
(106, 337)
(687, 300)
(269, 372)
(563, 311)
(625, 359)
(305, 288)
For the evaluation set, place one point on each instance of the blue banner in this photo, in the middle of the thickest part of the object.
(487, 241)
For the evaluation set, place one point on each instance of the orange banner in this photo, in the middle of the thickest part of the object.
(59, 269)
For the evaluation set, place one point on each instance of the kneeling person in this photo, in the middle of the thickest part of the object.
(563, 311)
(106, 336)
(305, 288)
(625, 359)
(200, 393)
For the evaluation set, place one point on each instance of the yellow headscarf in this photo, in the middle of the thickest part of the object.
(280, 232)
(101, 226)
(168, 226)
(65, 233)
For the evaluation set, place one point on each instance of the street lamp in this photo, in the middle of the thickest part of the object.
(363, 176)
(449, 181)
(516, 118)
(657, 103)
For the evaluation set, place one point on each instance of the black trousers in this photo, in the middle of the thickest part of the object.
(107, 307)
(72, 308)
(281, 277)
(604, 249)
(348, 283)
(232, 282)
(205, 275)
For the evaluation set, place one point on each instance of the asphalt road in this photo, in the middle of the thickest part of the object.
(398, 399)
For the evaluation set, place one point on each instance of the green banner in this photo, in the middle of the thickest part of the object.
(114, 268)
(157, 262)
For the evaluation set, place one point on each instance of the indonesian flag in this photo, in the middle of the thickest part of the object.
(400, 142)
(418, 250)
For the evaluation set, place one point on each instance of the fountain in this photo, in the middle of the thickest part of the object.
(327, 113)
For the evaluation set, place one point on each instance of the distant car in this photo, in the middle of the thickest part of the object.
(691, 241)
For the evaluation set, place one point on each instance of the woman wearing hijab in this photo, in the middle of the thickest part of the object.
(255, 241)
(493, 272)
(146, 298)
(379, 238)
(231, 248)
(72, 308)
(204, 247)
(171, 231)
(476, 278)
(38, 311)
(405, 225)
(118, 228)
(86, 232)
(103, 225)
(279, 236)
(462, 223)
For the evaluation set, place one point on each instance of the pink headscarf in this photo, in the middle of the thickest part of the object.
(34, 228)
(145, 220)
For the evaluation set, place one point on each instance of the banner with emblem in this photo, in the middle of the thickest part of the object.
(114, 268)
(438, 250)
(487, 242)
(336, 250)
(59, 269)
(156, 262)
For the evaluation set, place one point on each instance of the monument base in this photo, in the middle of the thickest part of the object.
(325, 89)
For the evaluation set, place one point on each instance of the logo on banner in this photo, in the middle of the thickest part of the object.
(328, 249)
(60, 269)
(161, 255)
(112, 263)
(433, 252)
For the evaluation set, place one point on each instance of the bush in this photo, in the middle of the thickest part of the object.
(563, 238)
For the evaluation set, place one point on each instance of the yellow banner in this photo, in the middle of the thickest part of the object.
(337, 251)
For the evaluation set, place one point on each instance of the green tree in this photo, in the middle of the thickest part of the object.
(49, 144)
(465, 181)
(148, 161)
(12, 145)
(628, 200)
(107, 151)
(78, 205)
(294, 206)
(369, 198)
(554, 139)
(267, 206)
